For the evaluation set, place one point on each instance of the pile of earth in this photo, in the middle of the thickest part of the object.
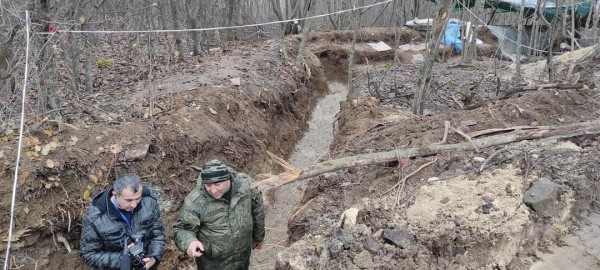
(230, 106)
(460, 209)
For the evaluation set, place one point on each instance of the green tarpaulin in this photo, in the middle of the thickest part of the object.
(550, 9)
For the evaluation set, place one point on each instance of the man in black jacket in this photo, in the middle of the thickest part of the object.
(116, 219)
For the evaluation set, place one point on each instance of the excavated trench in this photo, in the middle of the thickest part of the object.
(236, 144)
(286, 200)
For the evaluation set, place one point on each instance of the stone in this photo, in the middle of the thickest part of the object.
(542, 197)
(399, 238)
(378, 234)
(457, 251)
(567, 145)
(486, 208)
(336, 247)
(418, 47)
(433, 179)
(348, 219)
(444, 200)
(417, 59)
(468, 123)
(364, 260)
(294, 257)
(136, 152)
(478, 159)
(371, 244)
(488, 197)
(350, 265)
(324, 258)
(404, 47)
(345, 237)
(236, 81)
(363, 229)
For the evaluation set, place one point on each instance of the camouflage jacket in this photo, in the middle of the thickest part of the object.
(104, 231)
(226, 229)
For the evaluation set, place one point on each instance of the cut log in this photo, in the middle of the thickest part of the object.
(554, 132)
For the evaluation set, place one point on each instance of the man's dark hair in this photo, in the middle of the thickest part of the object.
(130, 181)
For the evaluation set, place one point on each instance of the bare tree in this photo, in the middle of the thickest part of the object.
(424, 81)
(175, 19)
(46, 69)
(193, 13)
(517, 77)
(353, 92)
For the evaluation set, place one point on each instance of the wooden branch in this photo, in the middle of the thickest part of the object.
(446, 127)
(466, 137)
(500, 130)
(554, 132)
(286, 165)
(408, 176)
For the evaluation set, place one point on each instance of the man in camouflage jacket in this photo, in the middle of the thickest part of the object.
(221, 220)
(116, 216)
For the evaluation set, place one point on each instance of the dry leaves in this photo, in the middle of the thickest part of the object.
(46, 149)
(73, 141)
(23, 177)
(87, 193)
(94, 178)
(115, 149)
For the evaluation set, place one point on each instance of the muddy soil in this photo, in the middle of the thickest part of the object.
(438, 213)
(285, 201)
(162, 130)
(163, 121)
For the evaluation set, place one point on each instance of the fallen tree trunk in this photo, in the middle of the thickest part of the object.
(545, 132)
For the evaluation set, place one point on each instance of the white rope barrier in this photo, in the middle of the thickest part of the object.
(218, 28)
(16, 176)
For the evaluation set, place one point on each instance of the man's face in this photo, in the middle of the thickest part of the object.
(128, 200)
(217, 190)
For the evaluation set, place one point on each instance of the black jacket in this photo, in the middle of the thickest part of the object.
(104, 232)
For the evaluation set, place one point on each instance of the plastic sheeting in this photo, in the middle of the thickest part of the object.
(507, 41)
(452, 36)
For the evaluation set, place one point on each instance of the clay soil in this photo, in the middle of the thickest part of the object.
(185, 113)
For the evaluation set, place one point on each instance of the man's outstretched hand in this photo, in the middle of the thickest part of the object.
(195, 249)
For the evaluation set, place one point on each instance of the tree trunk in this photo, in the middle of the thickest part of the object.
(193, 13)
(88, 59)
(517, 77)
(353, 93)
(553, 32)
(302, 47)
(471, 43)
(175, 18)
(556, 132)
(48, 83)
(596, 19)
(418, 103)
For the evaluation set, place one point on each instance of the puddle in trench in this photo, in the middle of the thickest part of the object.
(313, 145)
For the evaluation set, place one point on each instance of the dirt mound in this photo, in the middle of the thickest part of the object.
(576, 66)
(440, 218)
(160, 134)
(373, 34)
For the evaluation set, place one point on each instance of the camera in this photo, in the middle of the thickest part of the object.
(137, 251)
(133, 257)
